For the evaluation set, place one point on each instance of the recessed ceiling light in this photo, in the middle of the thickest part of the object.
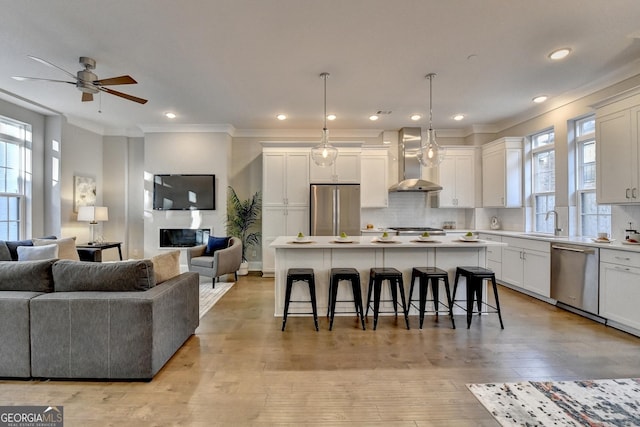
(386, 142)
(458, 117)
(170, 115)
(373, 117)
(281, 117)
(415, 117)
(559, 54)
(331, 117)
(540, 99)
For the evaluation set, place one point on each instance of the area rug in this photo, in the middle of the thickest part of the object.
(209, 295)
(562, 403)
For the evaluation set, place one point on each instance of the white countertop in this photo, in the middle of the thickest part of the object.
(368, 242)
(585, 241)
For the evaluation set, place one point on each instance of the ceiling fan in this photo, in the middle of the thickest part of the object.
(87, 82)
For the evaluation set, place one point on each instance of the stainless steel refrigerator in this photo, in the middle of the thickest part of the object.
(335, 208)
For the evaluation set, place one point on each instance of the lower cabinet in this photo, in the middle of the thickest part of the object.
(526, 264)
(620, 287)
(494, 254)
(280, 221)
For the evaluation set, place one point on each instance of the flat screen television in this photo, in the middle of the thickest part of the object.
(184, 192)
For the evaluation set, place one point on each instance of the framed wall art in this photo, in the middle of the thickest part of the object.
(84, 192)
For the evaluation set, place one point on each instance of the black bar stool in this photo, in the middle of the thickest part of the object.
(346, 274)
(431, 275)
(394, 277)
(475, 276)
(300, 275)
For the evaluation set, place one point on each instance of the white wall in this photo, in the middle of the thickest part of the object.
(82, 153)
(186, 153)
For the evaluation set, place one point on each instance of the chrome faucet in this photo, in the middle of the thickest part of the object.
(556, 230)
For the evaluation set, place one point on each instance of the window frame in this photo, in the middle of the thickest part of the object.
(535, 152)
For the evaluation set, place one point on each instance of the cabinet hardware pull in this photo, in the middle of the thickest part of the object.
(582, 251)
(634, 193)
(623, 258)
(626, 193)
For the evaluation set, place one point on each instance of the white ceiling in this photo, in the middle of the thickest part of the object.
(240, 62)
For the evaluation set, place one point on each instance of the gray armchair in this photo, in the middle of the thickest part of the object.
(223, 261)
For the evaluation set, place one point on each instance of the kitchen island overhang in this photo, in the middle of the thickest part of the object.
(322, 253)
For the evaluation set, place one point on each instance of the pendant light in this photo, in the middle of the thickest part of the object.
(430, 154)
(324, 154)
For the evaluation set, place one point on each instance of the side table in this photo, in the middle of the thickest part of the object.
(93, 252)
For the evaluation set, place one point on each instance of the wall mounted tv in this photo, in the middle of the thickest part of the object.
(184, 192)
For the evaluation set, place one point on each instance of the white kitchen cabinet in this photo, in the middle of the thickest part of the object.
(502, 173)
(345, 170)
(617, 160)
(456, 175)
(285, 197)
(494, 254)
(620, 287)
(526, 264)
(374, 182)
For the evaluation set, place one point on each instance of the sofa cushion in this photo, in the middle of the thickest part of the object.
(31, 276)
(5, 255)
(166, 265)
(12, 245)
(66, 247)
(121, 276)
(32, 253)
(216, 243)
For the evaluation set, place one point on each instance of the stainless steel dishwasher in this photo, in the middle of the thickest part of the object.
(574, 276)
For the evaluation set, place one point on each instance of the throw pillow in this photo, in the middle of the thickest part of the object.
(33, 253)
(166, 266)
(216, 243)
(66, 247)
(13, 245)
(5, 255)
(31, 276)
(119, 276)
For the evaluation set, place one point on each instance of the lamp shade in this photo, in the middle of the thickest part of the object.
(93, 214)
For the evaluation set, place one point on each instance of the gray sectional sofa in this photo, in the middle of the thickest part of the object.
(83, 320)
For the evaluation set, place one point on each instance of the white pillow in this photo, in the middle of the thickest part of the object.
(66, 247)
(33, 253)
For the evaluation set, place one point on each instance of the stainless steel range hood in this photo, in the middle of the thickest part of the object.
(409, 168)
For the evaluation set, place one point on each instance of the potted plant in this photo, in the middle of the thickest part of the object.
(242, 215)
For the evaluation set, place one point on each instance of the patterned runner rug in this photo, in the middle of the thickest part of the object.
(209, 296)
(562, 403)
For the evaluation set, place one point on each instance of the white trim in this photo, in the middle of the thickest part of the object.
(189, 128)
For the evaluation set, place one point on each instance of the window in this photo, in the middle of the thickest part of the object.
(593, 218)
(15, 177)
(543, 180)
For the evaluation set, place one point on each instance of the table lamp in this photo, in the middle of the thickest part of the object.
(93, 214)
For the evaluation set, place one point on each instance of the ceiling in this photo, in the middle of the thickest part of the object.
(241, 62)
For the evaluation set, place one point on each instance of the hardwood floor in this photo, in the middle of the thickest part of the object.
(240, 369)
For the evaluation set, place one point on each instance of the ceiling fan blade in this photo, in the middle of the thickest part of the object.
(87, 97)
(123, 95)
(49, 64)
(22, 79)
(121, 80)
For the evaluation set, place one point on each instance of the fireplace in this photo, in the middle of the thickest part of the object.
(183, 237)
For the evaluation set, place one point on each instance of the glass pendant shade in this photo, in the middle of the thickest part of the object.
(430, 154)
(324, 154)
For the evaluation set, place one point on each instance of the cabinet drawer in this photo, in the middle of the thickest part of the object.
(534, 245)
(494, 253)
(632, 259)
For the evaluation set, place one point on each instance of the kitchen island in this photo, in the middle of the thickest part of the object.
(322, 253)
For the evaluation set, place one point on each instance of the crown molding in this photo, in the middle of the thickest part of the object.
(307, 133)
(188, 128)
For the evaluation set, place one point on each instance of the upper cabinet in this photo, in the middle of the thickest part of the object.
(374, 187)
(502, 173)
(456, 175)
(285, 177)
(346, 169)
(617, 140)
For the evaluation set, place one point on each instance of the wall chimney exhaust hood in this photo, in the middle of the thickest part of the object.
(409, 168)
